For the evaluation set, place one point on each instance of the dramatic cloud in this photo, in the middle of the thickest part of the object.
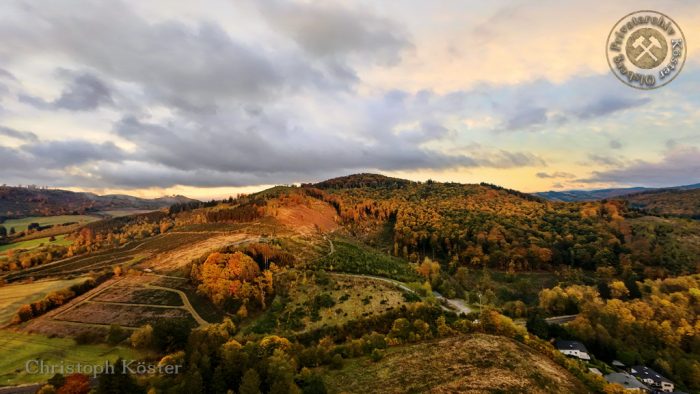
(679, 166)
(191, 66)
(19, 135)
(250, 93)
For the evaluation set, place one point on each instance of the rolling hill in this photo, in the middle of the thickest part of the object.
(16, 202)
(601, 194)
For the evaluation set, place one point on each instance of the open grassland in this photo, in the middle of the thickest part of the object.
(15, 295)
(17, 348)
(465, 364)
(313, 302)
(352, 257)
(34, 243)
(22, 224)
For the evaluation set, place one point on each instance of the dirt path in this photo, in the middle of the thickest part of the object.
(187, 305)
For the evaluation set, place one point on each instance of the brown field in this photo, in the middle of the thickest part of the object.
(475, 363)
(174, 259)
(133, 295)
(129, 301)
(308, 219)
(123, 314)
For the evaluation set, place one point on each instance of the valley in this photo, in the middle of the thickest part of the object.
(361, 283)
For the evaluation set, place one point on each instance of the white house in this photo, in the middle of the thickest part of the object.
(573, 348)
(652, 378)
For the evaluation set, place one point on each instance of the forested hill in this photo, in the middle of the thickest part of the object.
(602, 194)
(18, 202)
(673, 202)
(487, 226)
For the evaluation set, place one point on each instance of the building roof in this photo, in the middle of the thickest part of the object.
(625, 380)
(643, 372)
(570, 345)
(595, 371)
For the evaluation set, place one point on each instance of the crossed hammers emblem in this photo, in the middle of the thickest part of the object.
(646, 49)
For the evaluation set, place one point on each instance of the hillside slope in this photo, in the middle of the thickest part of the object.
(473, 364)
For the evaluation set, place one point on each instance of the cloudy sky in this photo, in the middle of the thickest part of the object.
(210, 98)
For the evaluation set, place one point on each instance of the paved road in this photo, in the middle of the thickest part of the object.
(560, 319)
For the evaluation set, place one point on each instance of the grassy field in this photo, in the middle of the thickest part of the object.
(21, 224)
(475, 364)
(123, 212)
(17, 348)
(354, 258)
(16, 295)
(315, 302)
(35, 243)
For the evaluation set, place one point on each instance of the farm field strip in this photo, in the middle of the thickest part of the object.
(81, 264)
(22, 224)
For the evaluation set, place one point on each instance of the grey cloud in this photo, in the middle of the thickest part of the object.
(609, 104)
(541, 104)
(615, 144)
(605, 160)
(334, 30)
(507, 159)
(60, 154)
(16, 134)
(679, 166)
(229, 148)
(526, 118)
(4, 74)
(557, 174)
(84, 92)
(190, 66)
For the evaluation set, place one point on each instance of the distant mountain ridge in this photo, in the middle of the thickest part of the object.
(18, 202)
(601, 194)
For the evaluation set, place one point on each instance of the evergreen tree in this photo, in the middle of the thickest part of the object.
(250, 383)
(119, 382)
